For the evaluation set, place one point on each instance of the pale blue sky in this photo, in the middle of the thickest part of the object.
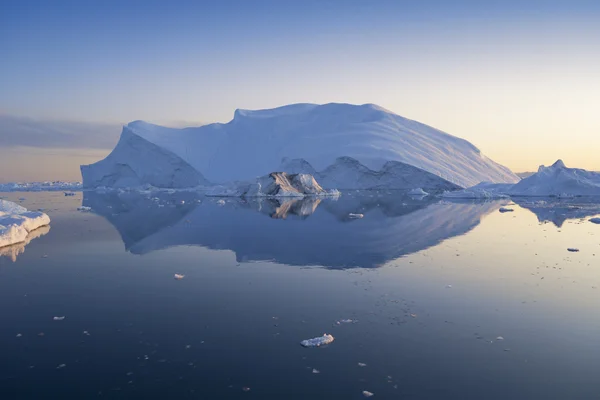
(520, 81)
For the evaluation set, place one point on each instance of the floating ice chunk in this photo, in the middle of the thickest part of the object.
(366, 393)
(179, 276)
(448, 286)
(499, 338)
(58, 318)
(318, 341)
(61, 366)
(573, 250)
(345, 321)
(362, 364)
(418, 192)
(221, 202)
(246, 389)
(19, 335)
(505, 210)
(355, 216)
(316, 371)
(84, 208)
(595, 220)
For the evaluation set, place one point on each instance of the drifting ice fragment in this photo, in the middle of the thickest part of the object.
(221, 202)
(355, 216)
(179, 276)
(448, 286)
(366, 393)
(316, 371)
(499, 338)
(362, 364)
(318, 341)
(61, 366)
(418, 192)
(345, 321)
(58, 318)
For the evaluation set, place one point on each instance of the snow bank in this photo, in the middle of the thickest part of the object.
(40, 186)
(16, 222)
(255, 142)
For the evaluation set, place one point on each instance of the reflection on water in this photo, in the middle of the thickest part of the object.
(15, 250)
(317, 231)
(558, 211)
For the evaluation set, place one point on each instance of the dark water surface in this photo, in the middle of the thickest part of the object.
(262, 276)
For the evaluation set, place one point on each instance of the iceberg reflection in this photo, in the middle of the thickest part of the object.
(316, 231)
(17, 249)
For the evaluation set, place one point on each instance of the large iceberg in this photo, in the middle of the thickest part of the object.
(16, 222)
(254, 143)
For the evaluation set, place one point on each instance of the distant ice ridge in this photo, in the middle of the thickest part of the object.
(276, 184)
(556, 180)
(483, 191)
(16, 222)
(40, 186)
(255, 142)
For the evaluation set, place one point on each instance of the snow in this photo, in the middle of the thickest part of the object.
(40, 186)
(418, 192)
(16, 222)
(318, 341)
(254, 143)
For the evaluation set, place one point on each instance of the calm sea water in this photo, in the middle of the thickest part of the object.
(430, 286)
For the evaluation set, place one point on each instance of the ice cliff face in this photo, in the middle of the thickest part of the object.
(254, 143)
(137, 162)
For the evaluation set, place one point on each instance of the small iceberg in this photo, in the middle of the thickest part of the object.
(58, 318)
(179, 277)
(418, 192)
(366, 393)
(318, 341)
(355, 216)
(16, 222)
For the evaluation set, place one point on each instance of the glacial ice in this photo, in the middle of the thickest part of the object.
(16, 222)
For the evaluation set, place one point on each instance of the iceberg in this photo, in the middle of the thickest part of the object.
(558, 180)
(16, 222)
(276, 184)
(355, 145)
(318, 341)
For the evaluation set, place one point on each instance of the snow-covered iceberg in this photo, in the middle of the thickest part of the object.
(254, 143)
(16, 222)
(560, 181)
(276, 184)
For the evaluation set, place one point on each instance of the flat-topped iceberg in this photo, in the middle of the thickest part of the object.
(385, 145)
(16, 222)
